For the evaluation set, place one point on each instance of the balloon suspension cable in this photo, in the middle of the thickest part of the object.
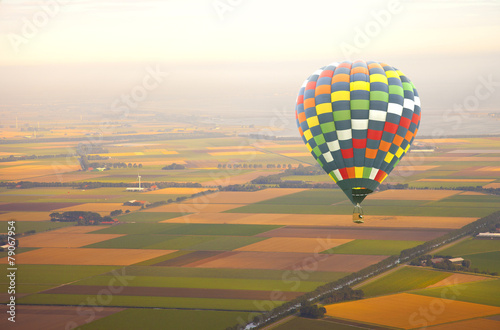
(357, 214)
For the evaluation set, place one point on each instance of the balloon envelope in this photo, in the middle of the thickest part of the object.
(358, 119)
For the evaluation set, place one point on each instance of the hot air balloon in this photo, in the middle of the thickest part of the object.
(358, 119)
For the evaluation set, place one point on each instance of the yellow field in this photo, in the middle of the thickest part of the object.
(29, 171)
(456, 180)
(209, 216)
(194, 208)
(494, 185)
(418, 195)
(25, 216)
(294, 244)
(405, 310)
(472, 193)
(230, 147)
(160, 152)
(475, 324)
(176, 191)
(274, 145)
(295, 154)
(411, 168)
(244, 197)
(98, 207)
(67, 240)
(489, 168)
(235, 153)
(119, 154)
(438, 141)
(458, 279)
(3, 154)
(82, 256)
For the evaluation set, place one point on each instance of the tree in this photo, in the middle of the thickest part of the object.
(466, 263)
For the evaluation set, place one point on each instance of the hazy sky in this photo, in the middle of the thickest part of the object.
(241, 56)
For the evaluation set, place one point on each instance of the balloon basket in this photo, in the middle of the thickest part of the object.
(357, 214)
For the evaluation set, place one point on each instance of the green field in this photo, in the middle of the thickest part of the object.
(373, 247)
(53, 274)
(483, 292)
(143, 301)
(38, 226)
(288, 277)
(134, 319)
(403, 279)
(186, 229)
(149, 216)
(472, 246)
(487, 261)
(206, 283)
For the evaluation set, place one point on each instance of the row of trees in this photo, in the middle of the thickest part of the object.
(83, 218)
(93, 185)
(324, 292)
(115, 165)
(174, 166)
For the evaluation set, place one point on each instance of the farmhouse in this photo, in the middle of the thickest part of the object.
(135, 189)
(437, 260)
(456, 260)
(488, 235)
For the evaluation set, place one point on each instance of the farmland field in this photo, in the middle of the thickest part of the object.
(240, 250)
(81, 256)
(399, 311)
(145, 301)
(404, 279)
(483, 292)
(376, 247)
(472, 246)
(176, 319)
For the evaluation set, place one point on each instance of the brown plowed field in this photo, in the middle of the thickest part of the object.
(39, 207)
(408, 311)
(51, 317)
(287, 260)
(294, 244)
(172, 292)
(189, 258)
(355, 233)
(459, 278)
(82, 256)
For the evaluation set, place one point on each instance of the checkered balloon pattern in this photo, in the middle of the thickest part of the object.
(358, 119)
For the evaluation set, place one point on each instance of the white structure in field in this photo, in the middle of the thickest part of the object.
(136, 189)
